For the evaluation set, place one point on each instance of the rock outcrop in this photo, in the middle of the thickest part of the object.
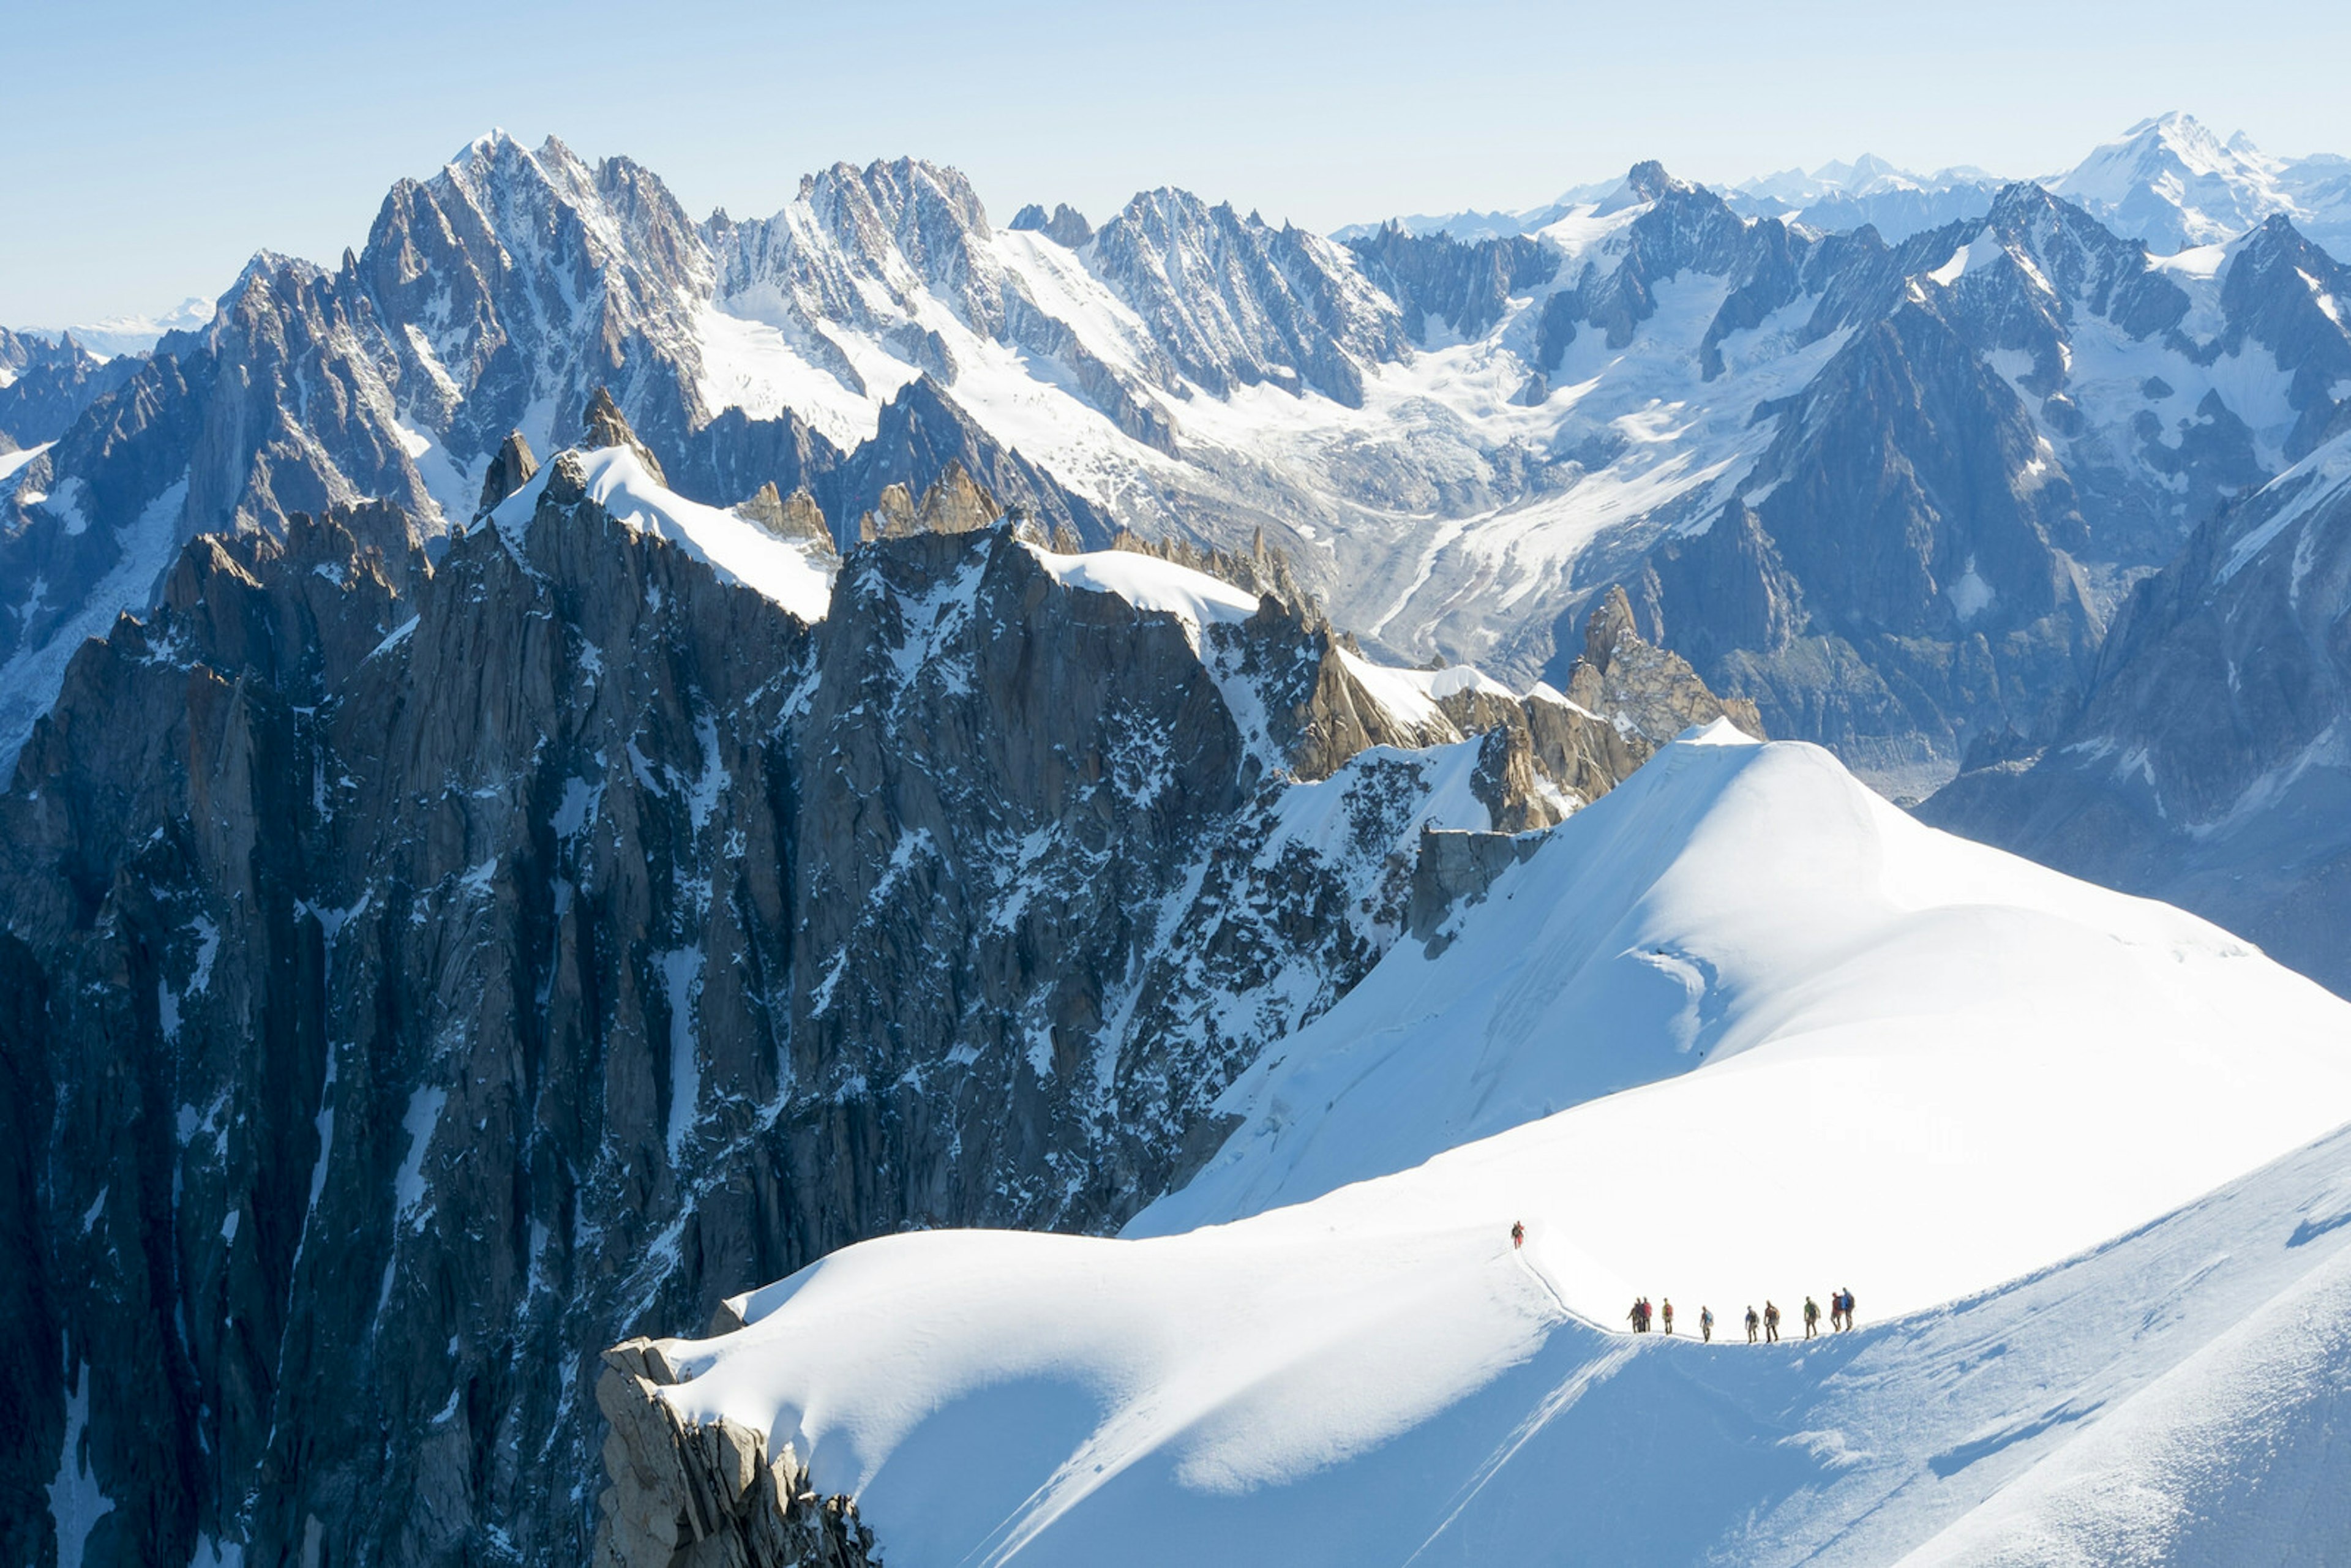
(706, 1495)
(951, 504)
(1066, 225)
(1455, 868)
(1649, 694)
(509, 471)
(793, 516)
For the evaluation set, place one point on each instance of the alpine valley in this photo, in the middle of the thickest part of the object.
(871, 884)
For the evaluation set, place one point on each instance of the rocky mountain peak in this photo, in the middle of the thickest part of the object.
(1235, 303)
(1066, 225)
(1644, 182)
(927, 212)
(793, 516)
(1063, 226)
(509, 471)
(2172, 183)
(1647, 691)
(954, 503)
(605, 425)
(1610, 627)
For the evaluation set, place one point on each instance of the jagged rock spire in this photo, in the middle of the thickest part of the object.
(1067, 226)
(954, 503)
(793, 516)
(1650, 691)
(605, 425)
(510, 470)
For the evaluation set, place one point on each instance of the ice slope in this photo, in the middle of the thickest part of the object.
(782, 570)
(1866, 1054)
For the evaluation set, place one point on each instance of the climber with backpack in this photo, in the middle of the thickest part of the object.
(1517, 1234)
(1848, 1306)
(1811, 1317)
(1666, 1312)
(1706, 1325)
(1771, 1323)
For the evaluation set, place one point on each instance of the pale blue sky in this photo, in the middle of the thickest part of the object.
(146, 150)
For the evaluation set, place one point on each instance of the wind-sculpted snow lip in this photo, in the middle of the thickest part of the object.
(1737, 1030)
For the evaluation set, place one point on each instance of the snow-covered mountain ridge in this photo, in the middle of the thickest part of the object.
(1739, 1030)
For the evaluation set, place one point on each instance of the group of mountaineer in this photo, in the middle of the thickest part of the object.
(1839, 1311)
(1840, 1317)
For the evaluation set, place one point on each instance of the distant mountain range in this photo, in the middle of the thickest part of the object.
(2168, 180)
(1460, 444)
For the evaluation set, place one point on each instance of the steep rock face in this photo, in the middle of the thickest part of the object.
(394, 888)
(2208, 764)
(1899, 530)
(510, 470)
(1465, 288)
(37, 1445)
(1236, 302)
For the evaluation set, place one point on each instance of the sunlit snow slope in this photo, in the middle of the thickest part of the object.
(1737, 1030)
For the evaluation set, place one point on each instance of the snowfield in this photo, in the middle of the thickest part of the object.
(1738, 1030)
